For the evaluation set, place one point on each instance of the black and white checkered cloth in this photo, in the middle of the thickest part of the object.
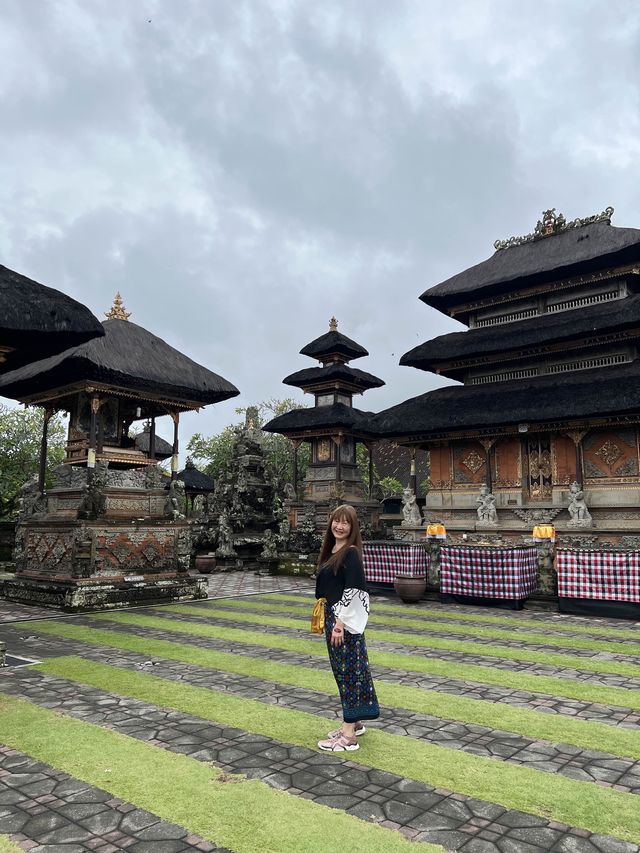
(384, 560)
(606, 575)
(488, 572)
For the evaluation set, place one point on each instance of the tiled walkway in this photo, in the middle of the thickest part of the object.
(45, 811)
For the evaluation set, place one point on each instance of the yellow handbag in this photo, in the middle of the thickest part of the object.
(317, 617)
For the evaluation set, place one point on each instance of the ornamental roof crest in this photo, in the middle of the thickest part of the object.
(553, 223)
(117, 310)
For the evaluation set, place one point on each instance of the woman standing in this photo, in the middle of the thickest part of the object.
(341, 583)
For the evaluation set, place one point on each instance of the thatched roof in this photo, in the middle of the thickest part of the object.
(534, 332)
(569, 253)
(339, 373)
(337, 416)
(37, 321)
(585, 394)
(128, 356)
(194, 480)
(333, 343)
(162, 448)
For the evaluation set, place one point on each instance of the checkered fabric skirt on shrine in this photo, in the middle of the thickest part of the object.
(605, 575)
(382, 561)
(509, 573)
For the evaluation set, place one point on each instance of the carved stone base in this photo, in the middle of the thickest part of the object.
(75, 596)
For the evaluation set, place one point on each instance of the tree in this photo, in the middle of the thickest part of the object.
(214, 453)
(20, 439)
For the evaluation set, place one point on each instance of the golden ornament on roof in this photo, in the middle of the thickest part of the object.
(117, 311)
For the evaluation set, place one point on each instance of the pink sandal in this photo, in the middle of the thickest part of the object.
(341, 743)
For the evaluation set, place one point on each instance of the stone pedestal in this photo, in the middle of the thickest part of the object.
(102, 547)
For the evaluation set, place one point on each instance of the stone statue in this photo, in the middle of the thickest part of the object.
(290, 492)
(410, 509)
(173, 504)
(225, 538)
(93, 503)
(487, 512)
(580, 515)
(31, 500)
(269, 546)
(198, 508)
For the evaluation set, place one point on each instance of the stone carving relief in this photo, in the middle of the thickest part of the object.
(536, 516)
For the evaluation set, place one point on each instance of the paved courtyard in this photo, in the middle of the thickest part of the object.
(501, 731)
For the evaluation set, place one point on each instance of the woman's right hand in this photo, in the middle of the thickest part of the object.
(337, 636)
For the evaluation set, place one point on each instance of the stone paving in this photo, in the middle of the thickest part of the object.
(420, 812)
(605, 679)
(46, 811)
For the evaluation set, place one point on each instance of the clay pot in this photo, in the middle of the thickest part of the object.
(205, 563)
(410, 590)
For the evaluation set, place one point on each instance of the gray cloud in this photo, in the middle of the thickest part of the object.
(242, 171)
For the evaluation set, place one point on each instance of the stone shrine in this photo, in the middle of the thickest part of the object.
(548, 413)
(333, 428)
(111, 531)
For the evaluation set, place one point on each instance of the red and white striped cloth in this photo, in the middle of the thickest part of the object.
(488, 572)
(606, 575)
(384, 560)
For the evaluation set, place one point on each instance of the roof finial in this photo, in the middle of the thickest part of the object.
(117, 311)
(333, 325)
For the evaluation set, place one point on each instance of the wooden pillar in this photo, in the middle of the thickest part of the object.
(337, 440)
(48, 413)
(576, 436)
(488, 443)
(296, 445)
(152, 439)
(413, 479)
(175, 417)
(524, 461)
(370, 448)
(93, 431)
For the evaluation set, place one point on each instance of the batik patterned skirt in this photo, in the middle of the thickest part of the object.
(350, 665)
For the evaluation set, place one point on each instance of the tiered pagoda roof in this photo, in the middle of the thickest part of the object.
(127, 358)
(37, 321)
(578, 248)
(564, 327)
(585, 395)
(334, 350)
(575, 258)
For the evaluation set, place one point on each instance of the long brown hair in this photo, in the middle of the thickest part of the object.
(345, 512)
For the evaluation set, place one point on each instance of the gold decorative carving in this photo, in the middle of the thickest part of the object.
(117, 311)
(323, 453)
(473, 461)
(609, 453)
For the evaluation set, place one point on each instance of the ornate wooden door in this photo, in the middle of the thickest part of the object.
(539, 475)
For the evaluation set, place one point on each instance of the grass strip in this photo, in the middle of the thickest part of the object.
(538, 725)
(9, 846)
(548, 685)
(221, 607)
(243, 815)
(623, 668)
(455, 616)
(403, 616)
(579, 804)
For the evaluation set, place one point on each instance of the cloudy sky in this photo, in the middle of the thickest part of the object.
(242, 170)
